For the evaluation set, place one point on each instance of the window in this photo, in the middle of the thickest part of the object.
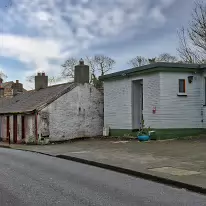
(182, 86)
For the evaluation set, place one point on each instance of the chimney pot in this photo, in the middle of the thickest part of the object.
(38, 74)
(41, 81)
(81, 62)
(17, 88)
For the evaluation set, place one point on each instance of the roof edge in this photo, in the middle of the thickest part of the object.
(152, 66)
(42, 106)
(69, 88)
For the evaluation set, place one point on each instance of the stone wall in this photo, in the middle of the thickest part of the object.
(78, 113)
(8, 92)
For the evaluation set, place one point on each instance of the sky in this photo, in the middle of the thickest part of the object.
(39, 35)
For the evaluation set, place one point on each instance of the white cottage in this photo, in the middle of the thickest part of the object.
(54, 113)
(169, 97)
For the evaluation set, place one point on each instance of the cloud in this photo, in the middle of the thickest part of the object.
(36, 51)
(38, 30)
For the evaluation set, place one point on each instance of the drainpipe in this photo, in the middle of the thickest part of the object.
(203, 98)
(202, 109)
(36, 127)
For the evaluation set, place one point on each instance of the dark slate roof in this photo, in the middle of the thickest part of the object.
(151, 67)
(31, 101)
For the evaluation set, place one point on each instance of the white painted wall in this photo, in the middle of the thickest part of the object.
(78, 113)
(160, 90)
(151, 99)
(180, 111)
(117, 104)
(118, 101)
(4, 127)
(19, 128)
(30, 128)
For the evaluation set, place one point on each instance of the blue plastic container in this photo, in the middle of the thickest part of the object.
(143, 138)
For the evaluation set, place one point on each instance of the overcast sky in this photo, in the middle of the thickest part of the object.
(38, 35)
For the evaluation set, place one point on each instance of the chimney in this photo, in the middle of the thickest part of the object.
(17, 88)
(1, 88)
(81, 73)
(41, 81)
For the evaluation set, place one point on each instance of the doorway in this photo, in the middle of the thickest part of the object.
(137, 104)
(15, 128)
(7, 128)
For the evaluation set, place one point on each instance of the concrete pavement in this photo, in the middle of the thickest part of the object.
(34, 179)
(181, 161)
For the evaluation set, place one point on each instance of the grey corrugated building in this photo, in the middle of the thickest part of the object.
(54, 113)
(169, 97)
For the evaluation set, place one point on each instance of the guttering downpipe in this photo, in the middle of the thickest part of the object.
(203, 95)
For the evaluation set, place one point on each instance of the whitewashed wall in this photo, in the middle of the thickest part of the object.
(4, 127)
(78, 113)
(117, 104)
(180, 111)
(30, 136)
(19, 128)
(118, 101)
(11, 127)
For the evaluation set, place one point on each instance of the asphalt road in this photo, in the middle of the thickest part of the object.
(34, 179)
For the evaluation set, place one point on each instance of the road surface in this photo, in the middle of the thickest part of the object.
(34, 179)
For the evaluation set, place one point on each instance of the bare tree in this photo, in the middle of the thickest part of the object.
(192, 41)
(197, 29)
(165, 57)
(138, 61)
(51, 80)
(99, 64)
(68, 68)
(54, 80)
(91, 63)
(152, 60)
(141, 61)
(103, 64)
(185, 52)
(30, 78)
(3, 75)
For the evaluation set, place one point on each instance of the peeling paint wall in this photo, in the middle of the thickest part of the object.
(44, 124)
(19, 128)
(11, 128)
(43, 128)
(30, 129)
(3, 128)
(78, 113)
